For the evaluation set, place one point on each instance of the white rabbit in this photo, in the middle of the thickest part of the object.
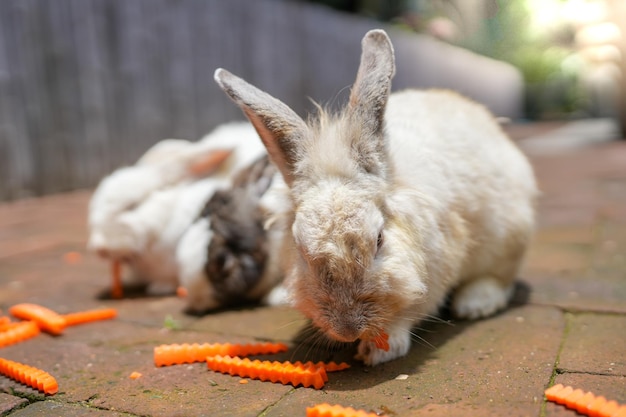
(394, 202)
(139, 213)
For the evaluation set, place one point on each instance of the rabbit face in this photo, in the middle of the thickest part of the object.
(339, 238)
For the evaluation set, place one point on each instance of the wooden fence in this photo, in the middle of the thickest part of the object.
(88, 85)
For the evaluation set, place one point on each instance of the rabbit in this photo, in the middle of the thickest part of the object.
(227, 256)
(392, 204)
(139, 213)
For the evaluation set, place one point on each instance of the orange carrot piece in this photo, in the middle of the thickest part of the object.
(18, 332)
(593, 409)
(28, 375)
(4, 320)
(283, 372)
(72, 258)
(552, 393)
(382, 341)
(328, 366)
(88, 316)
(135, 375)
(181, 292)
(584, 402)
(117, 291)
(609, 409)
(621, 412)
(571, 401)
(47, 320)
(327, 410)
(188, 353)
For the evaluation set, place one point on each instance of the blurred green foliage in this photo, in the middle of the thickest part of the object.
(505, 31)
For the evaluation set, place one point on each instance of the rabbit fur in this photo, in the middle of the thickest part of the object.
(139, 213)
(392, 204)
(236, 260)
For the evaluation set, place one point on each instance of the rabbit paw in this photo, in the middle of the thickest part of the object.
(399, 344)
(480, 298)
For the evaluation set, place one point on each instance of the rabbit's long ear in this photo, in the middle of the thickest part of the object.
(280, 128)
(371, 88)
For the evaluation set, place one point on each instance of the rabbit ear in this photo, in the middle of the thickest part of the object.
(207, 164)
(279, 127)
(370, 91)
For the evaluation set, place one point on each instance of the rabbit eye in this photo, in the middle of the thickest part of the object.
(379, 241)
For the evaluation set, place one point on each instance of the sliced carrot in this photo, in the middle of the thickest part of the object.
(72, 258)
(621, 412)
(243, 381)
(135, 375)
(382, 341)
(181, 292)
(47, 320)
(18, 332)
(572, 400)
(327, 410)
(552, 393)
(609, 409)
(188, 353)
(4, 320)
(88, 316)
(283, 372)
(593, 409)
(584, 402)
(117, 291)
(28, 375)
(328, 366)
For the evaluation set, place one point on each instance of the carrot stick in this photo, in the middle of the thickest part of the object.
(584, 402)
(28, 375)
(47, 320)
(188, 353)
(327, 410)
(382, 341)
(18, 332)
(87, 316)
(117, 291)
(283, 372)
(328, 366)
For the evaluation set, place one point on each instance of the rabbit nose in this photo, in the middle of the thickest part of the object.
(344, 331)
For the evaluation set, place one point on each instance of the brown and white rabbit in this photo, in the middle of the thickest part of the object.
(394, 202)
(227, 256)
(138, 214)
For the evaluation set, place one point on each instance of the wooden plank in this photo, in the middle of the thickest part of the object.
(16, 164)
(86, 21)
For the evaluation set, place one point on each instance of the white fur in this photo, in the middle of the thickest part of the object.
(139, 213)
(384, 214)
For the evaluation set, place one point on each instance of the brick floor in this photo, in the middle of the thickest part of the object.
(569, 328)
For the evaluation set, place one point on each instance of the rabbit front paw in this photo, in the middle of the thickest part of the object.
(399, 344)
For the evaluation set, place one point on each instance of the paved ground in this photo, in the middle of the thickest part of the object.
(568, 324)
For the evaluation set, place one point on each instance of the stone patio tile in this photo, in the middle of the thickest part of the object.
(595, 343)
(92, 365)
(277, 323)
(10, 402)
(49, 409)
(488, 366)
